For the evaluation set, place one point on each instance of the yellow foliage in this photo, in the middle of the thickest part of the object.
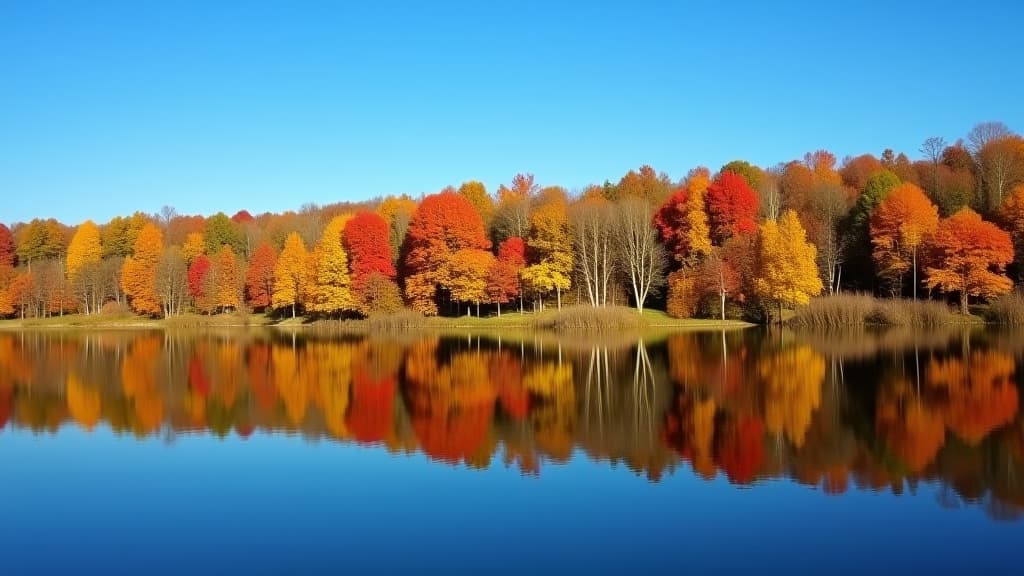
(329, 282)
(791, 381)
(84, 248)
(787, 272)
(83, 402)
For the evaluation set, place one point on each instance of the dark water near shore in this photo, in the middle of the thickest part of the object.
(262, 453)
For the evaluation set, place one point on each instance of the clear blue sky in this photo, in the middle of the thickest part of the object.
(108, 107)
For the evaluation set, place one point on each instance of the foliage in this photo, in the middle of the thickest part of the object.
(84, 249)
(366, 239)
(732, 207)
(259, 276)
(290, 274)
(329, 286)
(901, 224)
(138, 276)
(786, 270)
(969, 256)
(443, 224)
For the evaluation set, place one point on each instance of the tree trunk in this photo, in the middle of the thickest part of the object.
(915, 275)
(293, 310)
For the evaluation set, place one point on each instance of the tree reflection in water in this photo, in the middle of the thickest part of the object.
(871, 411)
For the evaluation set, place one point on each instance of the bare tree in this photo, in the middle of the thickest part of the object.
(831, 205)
(932, 149)
(641, 256)
(172, 280)
(771, 194)
(592, 236)
(984, 133)
(167, 213)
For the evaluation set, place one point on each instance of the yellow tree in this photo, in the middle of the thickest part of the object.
(290, 274)
(330, 286)
(138, 275)
(469, 271)
(84, 254)
(476, 193)
(787, 273)
(549, 246)
(900, 225)
(227, 279)
(195, 244)
(84, 249)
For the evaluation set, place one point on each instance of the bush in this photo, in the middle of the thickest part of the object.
(863, 310)
(1008, 309)
(584, 318)
(112, 308)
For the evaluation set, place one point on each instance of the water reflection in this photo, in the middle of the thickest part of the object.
(862, 411)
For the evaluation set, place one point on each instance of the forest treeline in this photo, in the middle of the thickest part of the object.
(744, 241)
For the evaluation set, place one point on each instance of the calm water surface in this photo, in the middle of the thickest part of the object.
(259, 453)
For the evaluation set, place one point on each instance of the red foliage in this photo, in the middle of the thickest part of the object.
(732, 207)
(670, 220)
(197, 378)
(741, 449)
(513, 251)
(367, 240)
(197, 273)
(371, 413)
(6, 246)
(259, 277)
(242, 217)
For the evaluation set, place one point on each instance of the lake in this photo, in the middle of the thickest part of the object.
(133, 452)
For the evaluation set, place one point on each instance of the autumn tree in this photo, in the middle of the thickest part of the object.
(172, 281)
(512, 214)
(787, 273)
(290, 274)
(476, 193)
(228, 279)
(644, 183)
(682, 220)
(366, 239)
(469, 270)
(84, 254)
(549, 250)
(194, 246)
(1011, 215)
(220, 231)
(119, 235)
(503, 283)
(640, 255)
(752, 174)
(7, 250)
(899, 227)
(970, 257)
(138, 276)
(443, 224)
(259, 276)
(1001, 166)
(200, 284)
(732, 207)
(39, 240)
(397, 211)
(330, 291)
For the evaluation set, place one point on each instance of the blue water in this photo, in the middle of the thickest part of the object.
(78, 502)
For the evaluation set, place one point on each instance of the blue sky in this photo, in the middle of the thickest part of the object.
(109, 107)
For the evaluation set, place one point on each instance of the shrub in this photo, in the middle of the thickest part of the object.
(590, 318)
(1007, 309)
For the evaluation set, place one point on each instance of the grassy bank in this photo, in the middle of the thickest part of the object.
(583, 319)
(851, 310)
